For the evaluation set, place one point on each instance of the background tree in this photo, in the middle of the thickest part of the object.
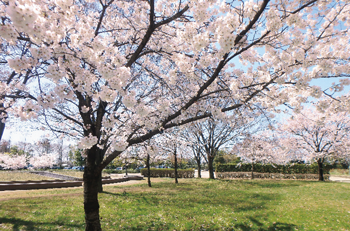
(262, 148)
(5, 146)
(44, 146)
(13, 162)
(114, 74)
(213, 134)
(78, 158)
(319, 136)
(171, 144)
(225, 157)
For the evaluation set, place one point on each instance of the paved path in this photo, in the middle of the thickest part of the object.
(340, 179)
(56, 176)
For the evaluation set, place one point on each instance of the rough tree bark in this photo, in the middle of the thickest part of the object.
(2, 125)
(2, 129)
(148, 172)
(175, 156)
(211, 166)
(91, 182)
(99, 186)
(320, 169)
(199, 168)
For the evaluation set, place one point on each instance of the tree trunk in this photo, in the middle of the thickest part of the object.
(211, 167)
(320, 170)
(99, 158)
(2, 129)
(252, 170)
(148, 172)
(99, 182)
(2, 125)
(91, 205)
(176, 181)
(199, 168)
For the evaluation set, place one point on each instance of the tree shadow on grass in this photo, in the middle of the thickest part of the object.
(238, 201)
(241, 202)
(260, 226)
(19, 224)
(253, 225)
(262, 183)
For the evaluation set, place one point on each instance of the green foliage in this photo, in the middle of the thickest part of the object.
(269, 168)
(75, 156)
(223, 157)
(79, 160)
(193, 204)
(121, 162)
(20, 176)
(340, 172)
(168, 172)
(15, 150)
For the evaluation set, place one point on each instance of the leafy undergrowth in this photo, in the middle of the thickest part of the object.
(20, 176)
(193, 204)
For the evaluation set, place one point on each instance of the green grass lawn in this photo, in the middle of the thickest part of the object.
(340, 172)
(20, 176)
(193, 204)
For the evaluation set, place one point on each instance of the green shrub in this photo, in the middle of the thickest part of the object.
(168, 172)
(269, 168)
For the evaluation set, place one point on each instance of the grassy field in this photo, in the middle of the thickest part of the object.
(20, 176)
(340, 172)
(193, 204)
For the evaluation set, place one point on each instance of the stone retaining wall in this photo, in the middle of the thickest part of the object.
(29, 181)
(45, 184)
(248, 175)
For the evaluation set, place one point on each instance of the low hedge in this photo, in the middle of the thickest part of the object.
(168, 172)
(269, 168)
(248, 175)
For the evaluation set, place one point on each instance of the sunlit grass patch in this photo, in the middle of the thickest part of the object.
(340, 172)
(20, 176)
(193, 204)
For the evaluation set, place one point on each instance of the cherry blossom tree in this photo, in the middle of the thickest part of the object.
(210, 135)
(317, 135)
(262, 147)
(114, 74)
(17, 161)
(43, 161)
(146, 153)
(13, 161)
(198, 154)
(171, 145)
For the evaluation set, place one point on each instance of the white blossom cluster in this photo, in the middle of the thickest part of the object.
(87, 142)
